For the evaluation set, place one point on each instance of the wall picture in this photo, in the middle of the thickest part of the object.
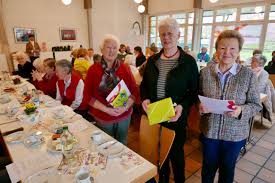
(67, 34)
(21, 35)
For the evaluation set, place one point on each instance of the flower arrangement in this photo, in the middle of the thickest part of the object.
(30, 108)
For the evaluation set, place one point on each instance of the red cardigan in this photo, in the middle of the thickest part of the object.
(92, 82)
(48, 86)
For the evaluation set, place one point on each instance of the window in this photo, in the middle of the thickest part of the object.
(252, 13)
(206, 36)
(226, 15)
(272, 12)
(190, 18)
(251, 34)
(207, 17)
(189, 36)
(185, 21)
(269, 45)
(180, 18)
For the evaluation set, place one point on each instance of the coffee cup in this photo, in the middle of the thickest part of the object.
(97, 136)
(83, 176)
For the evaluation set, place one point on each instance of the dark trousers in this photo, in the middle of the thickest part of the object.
(222, 155)
(176, 156)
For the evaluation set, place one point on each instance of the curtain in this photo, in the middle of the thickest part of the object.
(4, 45)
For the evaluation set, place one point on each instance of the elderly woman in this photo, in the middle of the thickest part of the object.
(171, 73)
(102, 78)
(69, 88)
(24, 67)
(265, 86)
(81, 63)
(47, 82)
(223, 135)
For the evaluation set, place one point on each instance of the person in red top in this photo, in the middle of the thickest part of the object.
(47, 83)
(70, 86)
(101, 79)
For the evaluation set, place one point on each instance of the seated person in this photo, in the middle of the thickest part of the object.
(264, 84)
(203, 56)
(39, 70)
(270, 68)
(81, 63)
(140, 58)
(47, 82)
(24, 67)
(69, 87)
(256, 52)
(97, 58)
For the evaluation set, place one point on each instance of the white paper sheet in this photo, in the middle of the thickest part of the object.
(21, 170)
(217, 106)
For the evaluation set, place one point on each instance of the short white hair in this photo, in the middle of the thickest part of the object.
(169, 22)
(130, 60)
(22, 54)
(37, 63)
(107, 38)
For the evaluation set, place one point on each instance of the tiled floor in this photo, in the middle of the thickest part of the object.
(256, 166)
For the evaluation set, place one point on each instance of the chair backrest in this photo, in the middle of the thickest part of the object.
(272, 78)
(149, 138)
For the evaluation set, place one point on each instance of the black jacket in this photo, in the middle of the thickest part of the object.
(181, 85)
(140, 60)
(25, 71)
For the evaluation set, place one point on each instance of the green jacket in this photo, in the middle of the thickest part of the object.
(181, 84)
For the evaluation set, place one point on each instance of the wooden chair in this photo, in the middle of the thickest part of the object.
(149, 138)
(272, 78)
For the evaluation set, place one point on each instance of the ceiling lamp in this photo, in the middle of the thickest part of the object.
(66, 2)
(138, 1)
(213, 1)
(141, 8)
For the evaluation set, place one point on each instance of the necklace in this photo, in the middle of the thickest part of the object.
(171, 55)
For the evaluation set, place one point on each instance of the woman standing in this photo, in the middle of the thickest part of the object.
(101, 79)
(223, 135)
(171, 73)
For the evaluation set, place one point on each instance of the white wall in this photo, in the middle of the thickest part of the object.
(115, 17)
(164, 6)
(46, 16)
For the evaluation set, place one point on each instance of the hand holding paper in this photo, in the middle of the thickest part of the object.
(216, 106)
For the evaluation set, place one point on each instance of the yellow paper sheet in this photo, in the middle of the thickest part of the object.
(160, 111)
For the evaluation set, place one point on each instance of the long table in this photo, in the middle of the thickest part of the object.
(113, 173)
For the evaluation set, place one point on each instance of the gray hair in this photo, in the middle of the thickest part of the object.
(107, 38)
(169, 22)
(261, 60)
(22, 54)
(37, 63)
(65, 64)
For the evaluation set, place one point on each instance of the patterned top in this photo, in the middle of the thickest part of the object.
(242, 88)
(164, 66)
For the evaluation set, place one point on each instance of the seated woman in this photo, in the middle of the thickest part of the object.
(81, 63)
(270, 68)
(264, 85)
(24, 67)
(47, 82)
(69, 87)
(38, 72)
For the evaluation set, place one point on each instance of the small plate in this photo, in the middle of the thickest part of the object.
(34, 139)
(52, 148)
(16, 137)
(111, 149)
